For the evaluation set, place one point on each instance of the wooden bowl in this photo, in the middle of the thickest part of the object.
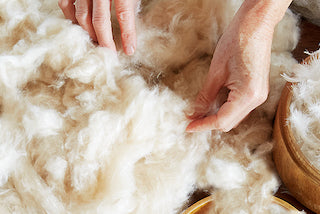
(203, 206)
(298, 175)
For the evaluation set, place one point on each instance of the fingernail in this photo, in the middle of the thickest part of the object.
(130, 50)
(189, 129)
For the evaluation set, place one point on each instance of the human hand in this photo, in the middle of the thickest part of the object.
(241, 63)
(94, 17)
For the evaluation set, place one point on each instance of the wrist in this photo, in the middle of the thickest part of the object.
(267, 12)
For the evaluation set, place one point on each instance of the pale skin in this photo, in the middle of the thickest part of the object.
(94, 17)
(240, 62)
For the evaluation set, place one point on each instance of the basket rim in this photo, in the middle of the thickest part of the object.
(286, 132)
(203, 202)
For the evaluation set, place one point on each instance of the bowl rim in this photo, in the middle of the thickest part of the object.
(201, 203)
(286, 131)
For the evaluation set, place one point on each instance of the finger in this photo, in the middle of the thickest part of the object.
(126, 18)
(83, 15)
(102, 23)
(230, 114)
(225, 119)
(214, 82)
(68, 9)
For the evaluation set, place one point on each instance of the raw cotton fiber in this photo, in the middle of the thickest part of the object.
(83, 130)
(305, 108)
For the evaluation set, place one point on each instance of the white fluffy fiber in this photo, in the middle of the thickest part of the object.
(85, 131)
(305, 108)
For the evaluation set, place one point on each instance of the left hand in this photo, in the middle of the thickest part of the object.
(94, 16)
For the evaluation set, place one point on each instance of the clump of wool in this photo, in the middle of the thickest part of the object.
(86, 131)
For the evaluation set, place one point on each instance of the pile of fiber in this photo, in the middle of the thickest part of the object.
(305, 108)
(85, 131)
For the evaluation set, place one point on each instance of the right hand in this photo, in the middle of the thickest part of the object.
(240, 63)
(94, 16)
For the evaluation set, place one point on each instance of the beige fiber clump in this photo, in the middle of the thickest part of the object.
(83, 130)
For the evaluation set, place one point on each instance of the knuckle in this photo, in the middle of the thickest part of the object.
(82, 16)
(99, 21)
(108, 43)
(257, 96)
(124, 15)
(127, 35)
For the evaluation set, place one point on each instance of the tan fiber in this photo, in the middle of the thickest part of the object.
(85, 131)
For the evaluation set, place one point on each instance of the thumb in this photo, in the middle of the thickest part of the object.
(232, 112)
(202, 105)
(215, 80)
